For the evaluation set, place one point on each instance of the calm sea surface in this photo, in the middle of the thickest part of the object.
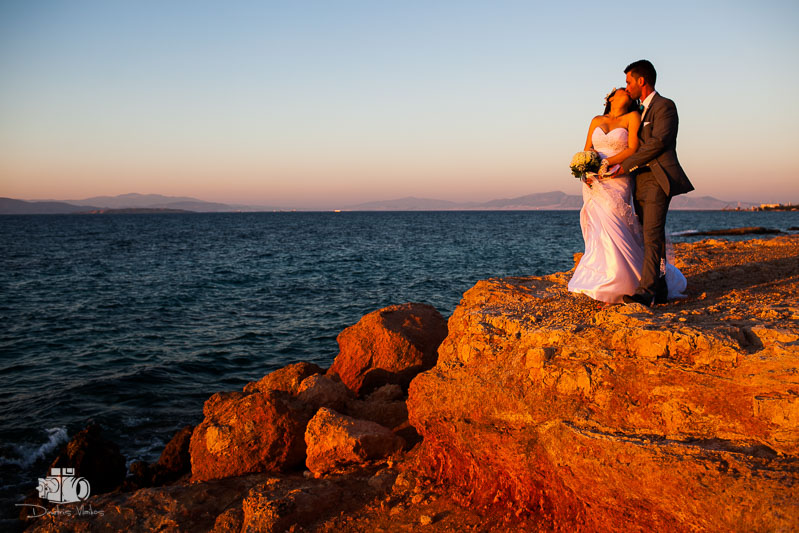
(132, 321)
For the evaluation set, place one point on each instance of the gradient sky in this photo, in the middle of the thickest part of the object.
(330, 103)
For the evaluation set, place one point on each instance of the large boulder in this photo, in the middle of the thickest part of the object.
(262, 429)
(391, 345)
(95, 458)
(336, 441)
(286, 379)
(176, 508)
(243, 433)
(319, 390)
(385, 406)
(683, 417)
(257, 502)
(269, 508)
(175, 459)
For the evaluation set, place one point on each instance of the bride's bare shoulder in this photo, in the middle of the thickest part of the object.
(597, 120)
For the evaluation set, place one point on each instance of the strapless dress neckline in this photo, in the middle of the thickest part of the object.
(610, 143)
(606, 133)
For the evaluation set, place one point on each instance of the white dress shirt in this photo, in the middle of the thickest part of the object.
(646, 102)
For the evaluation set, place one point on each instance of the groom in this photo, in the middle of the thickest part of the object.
(658, 177)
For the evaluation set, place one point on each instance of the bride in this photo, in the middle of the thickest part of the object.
(614, 248)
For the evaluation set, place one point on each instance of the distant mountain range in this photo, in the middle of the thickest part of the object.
(555, 200)
(543, 201)
(132, 203)
(9, 206)
(153, 201)
(125, 203)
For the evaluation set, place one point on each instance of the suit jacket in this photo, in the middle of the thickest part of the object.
(658, 134)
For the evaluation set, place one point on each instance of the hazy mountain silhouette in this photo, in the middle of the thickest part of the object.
(409, 203)
(151, 201)
(687, 201)
(539, 201)
(10, 206)
(546, 200)
(554, 200)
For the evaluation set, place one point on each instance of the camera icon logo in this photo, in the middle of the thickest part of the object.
(61, 486)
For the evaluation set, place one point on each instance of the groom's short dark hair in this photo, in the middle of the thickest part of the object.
(643, 69)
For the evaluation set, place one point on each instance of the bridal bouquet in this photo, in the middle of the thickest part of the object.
(585, 162)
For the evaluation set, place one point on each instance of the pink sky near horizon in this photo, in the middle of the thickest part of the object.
(340, 183)
(273, 105)
(285, 193)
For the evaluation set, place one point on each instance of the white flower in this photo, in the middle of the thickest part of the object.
(583, 162)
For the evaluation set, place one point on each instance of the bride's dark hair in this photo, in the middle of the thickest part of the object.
(630, 107)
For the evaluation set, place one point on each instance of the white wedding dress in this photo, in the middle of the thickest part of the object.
(614, 247)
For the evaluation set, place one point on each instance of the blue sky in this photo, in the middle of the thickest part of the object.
(326, 104)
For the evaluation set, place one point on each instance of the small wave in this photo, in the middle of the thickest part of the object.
(685, 232)
(148, 451)
(135, 421)
(55, 438)
(247, 336)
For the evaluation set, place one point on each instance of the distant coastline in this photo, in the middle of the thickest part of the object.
(132, 211)
(153, 203)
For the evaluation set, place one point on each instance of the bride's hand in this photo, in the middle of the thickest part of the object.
(611, 173)
(616, 172)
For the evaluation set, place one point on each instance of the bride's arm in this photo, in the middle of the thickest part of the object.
(633, 123)
(589, 144)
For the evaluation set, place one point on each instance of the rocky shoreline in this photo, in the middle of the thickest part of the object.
(531, 409)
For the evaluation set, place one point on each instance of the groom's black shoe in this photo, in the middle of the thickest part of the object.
(637, 299)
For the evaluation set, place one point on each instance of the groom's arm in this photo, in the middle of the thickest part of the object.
(662, 138)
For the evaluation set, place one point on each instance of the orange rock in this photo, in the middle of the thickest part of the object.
(682, 417)
(386, 413)
(263, 503)
(285, 379)
(191, 507)
(387, 393)
(391, 345)
(175, 460)
(335, 441)
(270, 508)
(385, 406)
(322, 391)
(244, 433)
(262, 429)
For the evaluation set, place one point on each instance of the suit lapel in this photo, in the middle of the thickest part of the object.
(647, 114)
(652, 104)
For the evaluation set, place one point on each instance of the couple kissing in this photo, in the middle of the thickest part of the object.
(623, 218)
